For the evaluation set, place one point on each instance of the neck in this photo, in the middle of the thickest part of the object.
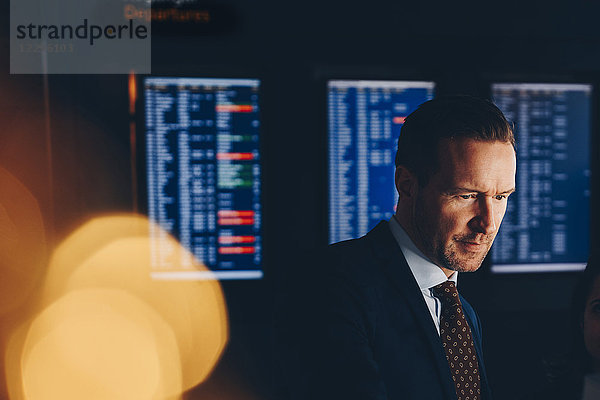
(411, 232)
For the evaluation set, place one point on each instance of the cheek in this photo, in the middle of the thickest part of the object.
(450, 223)
(456, 218)
(428, 213)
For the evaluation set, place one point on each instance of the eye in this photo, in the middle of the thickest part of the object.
(467, 196)
(500, 196)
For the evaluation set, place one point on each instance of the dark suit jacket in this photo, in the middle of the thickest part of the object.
(365, 331)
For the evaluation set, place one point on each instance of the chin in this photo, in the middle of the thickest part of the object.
(468, 268)
(463, 262)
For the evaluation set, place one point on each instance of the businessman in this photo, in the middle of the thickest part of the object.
(382, 318)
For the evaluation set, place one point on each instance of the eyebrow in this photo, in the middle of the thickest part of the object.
(470, 190)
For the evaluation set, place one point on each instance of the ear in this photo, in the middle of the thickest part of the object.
(406, 182)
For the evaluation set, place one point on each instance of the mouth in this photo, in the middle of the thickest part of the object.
(474, 246)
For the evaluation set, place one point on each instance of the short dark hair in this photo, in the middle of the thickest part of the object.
(447, 117)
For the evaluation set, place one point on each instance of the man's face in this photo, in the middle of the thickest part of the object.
(457, 214)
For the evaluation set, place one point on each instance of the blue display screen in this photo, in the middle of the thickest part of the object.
(546, 226)
(364, 121)
(204, 176)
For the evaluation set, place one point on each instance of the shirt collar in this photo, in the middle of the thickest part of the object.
(426, 273)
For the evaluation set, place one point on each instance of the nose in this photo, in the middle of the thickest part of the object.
(484, 221)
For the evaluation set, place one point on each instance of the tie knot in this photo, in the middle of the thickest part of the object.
(446, 292)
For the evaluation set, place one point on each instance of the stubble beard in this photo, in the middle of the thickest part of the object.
(446, 255)
(468, 263)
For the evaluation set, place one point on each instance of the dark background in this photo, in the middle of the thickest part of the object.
(70, 143)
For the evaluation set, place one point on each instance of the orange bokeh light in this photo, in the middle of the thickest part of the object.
(105, 326)
(22, 243)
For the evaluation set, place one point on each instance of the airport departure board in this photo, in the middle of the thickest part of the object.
(546, 226)
(204, 176)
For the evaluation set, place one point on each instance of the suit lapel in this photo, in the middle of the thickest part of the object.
(395, 267)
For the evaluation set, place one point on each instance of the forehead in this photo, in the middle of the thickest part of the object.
(476, 163)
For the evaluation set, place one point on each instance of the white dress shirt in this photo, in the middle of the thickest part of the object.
(426, 273)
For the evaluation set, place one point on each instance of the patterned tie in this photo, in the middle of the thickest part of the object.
(458, 343)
